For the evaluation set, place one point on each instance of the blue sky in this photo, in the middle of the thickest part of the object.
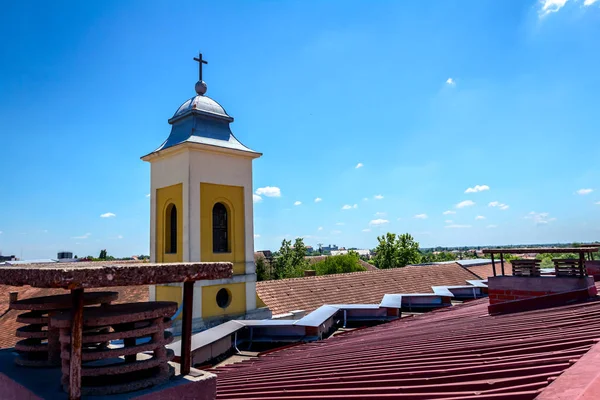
(428, 98)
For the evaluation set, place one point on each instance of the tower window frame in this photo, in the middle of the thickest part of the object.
(171, 232)
(220, 228)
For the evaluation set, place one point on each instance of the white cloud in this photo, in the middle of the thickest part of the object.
(339, 223)
(583, 192)
(597, 203)
(297, 203)
(550, 6)
(501, 206)
(477, 188)
(450, 82)
(269, 191)
(119, 236)
(456, 226)
(108, 215)
(491, 226)
(366, 230)
(148, 195)
(378, 197)
(378, 221)
(421, 216)
(466, 203)
(380, 214)
(448, 221)
(256, 236)
(256, 198)
(1, 232)
(336, 232)
(449, 212)
(479, 217)
(320, 228)
(318, 200)
(359, 165)
(540, 218)
(365, 199)
(348, 206)
(589, 2)
(84, 236)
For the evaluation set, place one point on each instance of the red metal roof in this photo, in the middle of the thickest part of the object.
(456, 353)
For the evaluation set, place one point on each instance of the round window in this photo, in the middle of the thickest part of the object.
(223, 298)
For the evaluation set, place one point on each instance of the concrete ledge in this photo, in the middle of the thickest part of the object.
(202, 324)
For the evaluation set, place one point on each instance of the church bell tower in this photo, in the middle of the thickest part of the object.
(202, 209)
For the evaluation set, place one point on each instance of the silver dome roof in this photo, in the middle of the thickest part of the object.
(203, 105)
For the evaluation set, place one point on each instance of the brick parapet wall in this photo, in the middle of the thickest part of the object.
(500, 296)
(503, 289)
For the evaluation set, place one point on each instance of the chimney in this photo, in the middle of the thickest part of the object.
(310, 272)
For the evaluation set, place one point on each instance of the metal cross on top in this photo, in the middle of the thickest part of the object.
(200, 62)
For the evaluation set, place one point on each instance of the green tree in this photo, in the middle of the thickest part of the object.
(262, 272)
(291, 262)
(339, 264)
(102, 255)
(396, 251)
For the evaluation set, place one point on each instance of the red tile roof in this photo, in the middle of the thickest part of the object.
(485, 271)
(455, 353)
(368, 266)
(367, 287)
(8, 323)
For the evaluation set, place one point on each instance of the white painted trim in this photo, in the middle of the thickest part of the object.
(200, 147)
(235, 279)
(250, 267)
(250, 295)
(197, 309)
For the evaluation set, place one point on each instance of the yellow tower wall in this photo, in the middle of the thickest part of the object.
(237, 291)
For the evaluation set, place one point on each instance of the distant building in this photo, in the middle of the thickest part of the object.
(266, 254)
(361, 252)
(330, 248)
(7, 258)
(65, 256)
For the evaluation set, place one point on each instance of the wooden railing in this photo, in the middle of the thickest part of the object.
(526, 267)
(566, 267)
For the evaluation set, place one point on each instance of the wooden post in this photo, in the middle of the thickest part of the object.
(76, 339)
(130, 342)
(581, 262)
(186, 328)
(502, 263)
(493, 264)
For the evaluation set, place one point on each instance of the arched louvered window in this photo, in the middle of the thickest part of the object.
(220, 229)
(171, 229)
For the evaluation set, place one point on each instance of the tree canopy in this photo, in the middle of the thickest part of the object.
(291, 262)
(339, 264)
(395, 251)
